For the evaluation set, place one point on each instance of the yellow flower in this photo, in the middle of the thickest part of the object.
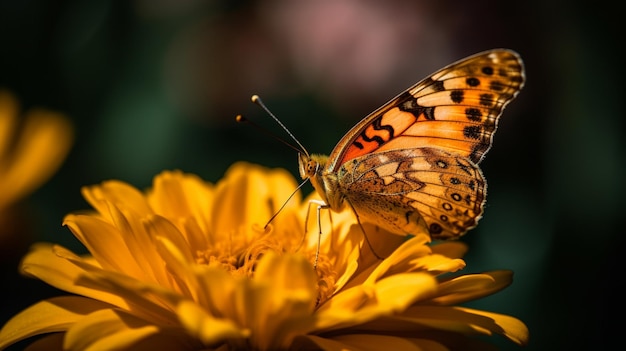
(31, 149)
(187, 265)
(31, 152)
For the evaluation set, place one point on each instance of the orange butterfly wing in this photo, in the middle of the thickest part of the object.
(411, 165)
(408, 191)
(455, 109)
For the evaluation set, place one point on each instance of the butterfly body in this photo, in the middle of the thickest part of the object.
(412, 165)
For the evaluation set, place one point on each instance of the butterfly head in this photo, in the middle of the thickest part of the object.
(310, 165)
(310, 169)
(325, 183)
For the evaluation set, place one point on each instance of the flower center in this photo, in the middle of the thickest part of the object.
(239, 257)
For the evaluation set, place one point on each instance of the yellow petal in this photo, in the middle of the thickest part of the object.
(347, 301)
(511, 327)
(53, 315)
(401, 260)
(466, 321)
(180, 195)
(287, 273)
(471, 287)
(338, 243)
(438, 264)
(64, 270)
(44, 262)
(107, 330)
(208, 329)
(397, 292)
(8, 120)
(147, 300)
(122, 195)
(249, 195)
(44, 141)
(158, 227)
(382, 244)
(451, 249)
(128, 248)
(357, 305)
(178, 261)
(213, 299)
(105, 242)
(286, 287)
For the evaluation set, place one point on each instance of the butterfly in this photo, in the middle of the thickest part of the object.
(411, 166)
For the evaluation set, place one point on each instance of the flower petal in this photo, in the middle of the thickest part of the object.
(104, 241)
(120, 194)
(43, 142)
(8, 120)
(413, 255)
(205, 327)
(397, 292)
(178, 261)
(175, 194)
(109, 329)
(213, 299)
(472, 286)
(511, 327)
(45, 262)
(147, 300)
(451, 249)
(360, 305)
(158, 228)
(463, 320)
(287, 292)
(248, 195)
(64, 270)
(53, 315)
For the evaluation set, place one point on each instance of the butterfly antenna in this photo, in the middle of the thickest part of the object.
(257, 100)
(242, 119)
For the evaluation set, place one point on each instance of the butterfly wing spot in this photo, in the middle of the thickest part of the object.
(456, 96)
(487, 70)
(473, 114)
(427, 112)
(471, 184)
(466, 167)
(496, 85)
(430, 83)
(435, 229)
(472, 81)
(472, 132)
(486, 100)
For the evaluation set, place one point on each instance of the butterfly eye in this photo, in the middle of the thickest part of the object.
(311, 168)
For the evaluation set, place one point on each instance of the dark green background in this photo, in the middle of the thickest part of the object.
(556, 173)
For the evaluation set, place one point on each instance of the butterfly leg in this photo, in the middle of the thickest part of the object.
(320, 205)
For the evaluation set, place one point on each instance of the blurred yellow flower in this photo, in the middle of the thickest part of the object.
(187, 265)
(31, 152)
(31, 149)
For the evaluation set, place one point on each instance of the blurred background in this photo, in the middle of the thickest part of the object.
(154, 85)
